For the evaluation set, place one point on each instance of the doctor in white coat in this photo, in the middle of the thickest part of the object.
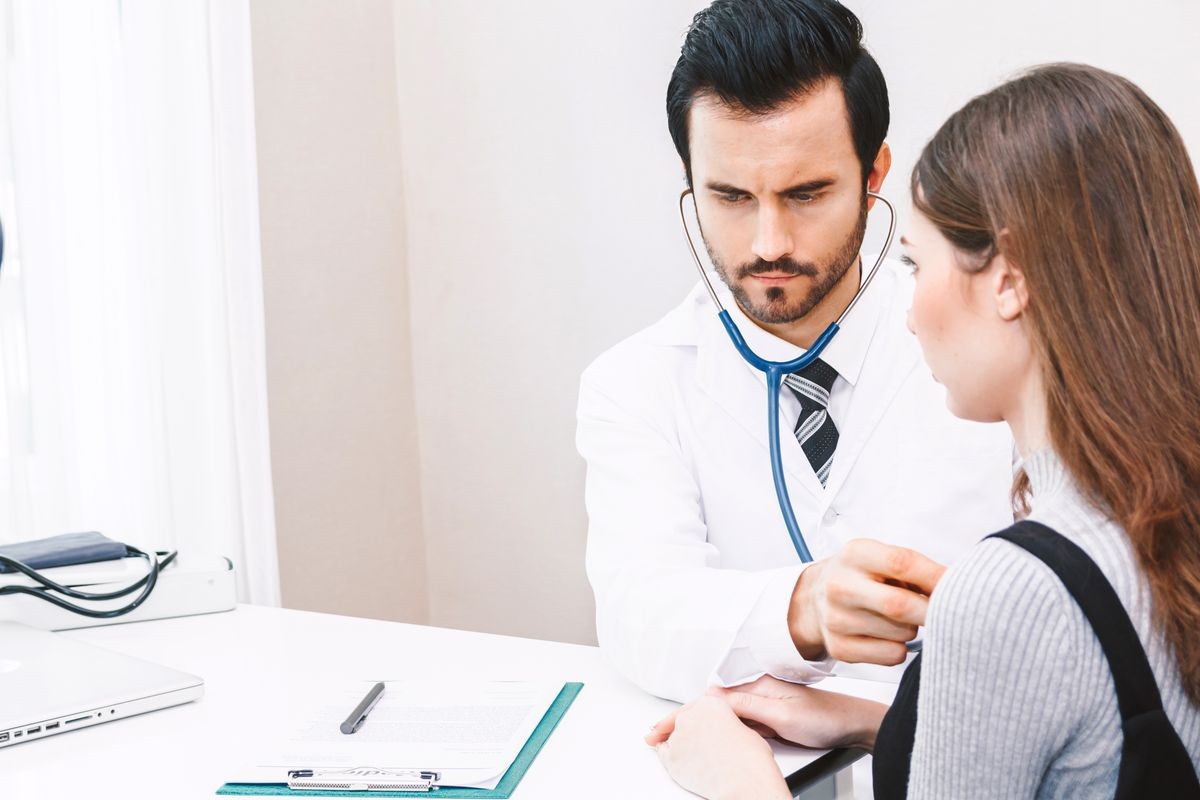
(779, 115)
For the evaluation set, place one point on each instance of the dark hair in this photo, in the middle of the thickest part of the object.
(1079, 179)
(755, 55)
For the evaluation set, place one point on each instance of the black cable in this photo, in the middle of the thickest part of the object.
(80, 595)
(43, 592)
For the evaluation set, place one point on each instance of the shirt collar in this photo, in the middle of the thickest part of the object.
(846, 353)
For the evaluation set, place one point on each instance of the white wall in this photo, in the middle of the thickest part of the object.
(937, 54)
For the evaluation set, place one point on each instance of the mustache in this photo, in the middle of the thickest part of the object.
(787, 266)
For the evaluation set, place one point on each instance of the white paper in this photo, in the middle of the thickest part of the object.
(470, 733)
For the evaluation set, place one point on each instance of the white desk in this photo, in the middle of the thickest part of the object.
(254, 659)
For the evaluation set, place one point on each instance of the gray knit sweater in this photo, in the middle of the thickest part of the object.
(1016, 697)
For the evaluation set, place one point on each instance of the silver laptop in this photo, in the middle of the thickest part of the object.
(50, 684)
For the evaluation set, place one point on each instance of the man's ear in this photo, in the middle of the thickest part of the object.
(1009, 288)
(879, 170)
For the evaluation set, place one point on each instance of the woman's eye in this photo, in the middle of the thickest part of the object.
(912, 265)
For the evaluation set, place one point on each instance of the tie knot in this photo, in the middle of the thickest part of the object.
(819, 373)
(813, 383)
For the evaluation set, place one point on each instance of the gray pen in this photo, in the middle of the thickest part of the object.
(360, 711)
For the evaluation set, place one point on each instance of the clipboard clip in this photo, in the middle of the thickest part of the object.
(363, 779)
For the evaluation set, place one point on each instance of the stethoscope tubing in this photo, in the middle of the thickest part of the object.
(776, 370)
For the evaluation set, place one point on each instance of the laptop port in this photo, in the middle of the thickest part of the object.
(78, 719)
(52, 726)
(35, 729)
(4, 736)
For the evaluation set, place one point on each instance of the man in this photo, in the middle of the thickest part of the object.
(779, 116)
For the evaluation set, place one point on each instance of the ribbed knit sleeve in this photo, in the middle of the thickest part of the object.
(1001, 661)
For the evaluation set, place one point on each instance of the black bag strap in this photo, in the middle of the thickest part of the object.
(1137, 689)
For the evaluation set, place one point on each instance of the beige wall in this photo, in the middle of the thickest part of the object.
(539, 177)
(343, 425)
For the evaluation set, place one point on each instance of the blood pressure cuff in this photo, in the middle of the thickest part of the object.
(63, 550)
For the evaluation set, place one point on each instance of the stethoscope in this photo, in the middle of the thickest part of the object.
(776, 370)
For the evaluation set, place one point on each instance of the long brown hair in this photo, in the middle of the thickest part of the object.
(1080, 180)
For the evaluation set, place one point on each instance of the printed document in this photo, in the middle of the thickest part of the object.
(469, 733)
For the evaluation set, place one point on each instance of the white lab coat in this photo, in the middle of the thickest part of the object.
(687, 553)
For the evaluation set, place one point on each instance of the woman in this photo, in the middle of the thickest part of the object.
(1056, 254)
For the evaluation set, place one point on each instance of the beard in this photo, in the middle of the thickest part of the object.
(775, 308)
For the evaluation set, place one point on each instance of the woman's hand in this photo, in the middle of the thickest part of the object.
(798, 714)
(804, 715)
(707, 750)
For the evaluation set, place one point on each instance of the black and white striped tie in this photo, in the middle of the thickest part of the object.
(815, 431)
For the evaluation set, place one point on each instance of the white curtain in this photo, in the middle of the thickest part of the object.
(131, 314)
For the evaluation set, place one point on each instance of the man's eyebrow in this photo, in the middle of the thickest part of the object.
(799, 188)
(724, 188)
(809, 186)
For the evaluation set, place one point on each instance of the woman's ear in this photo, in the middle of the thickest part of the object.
(1009, 287)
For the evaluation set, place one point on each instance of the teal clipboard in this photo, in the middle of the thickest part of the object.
(504, 789)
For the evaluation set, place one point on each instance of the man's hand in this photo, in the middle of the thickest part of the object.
(863, 604)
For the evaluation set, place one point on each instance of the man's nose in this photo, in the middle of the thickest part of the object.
(772, 240)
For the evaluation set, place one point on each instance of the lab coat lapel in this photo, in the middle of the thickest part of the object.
(890, 361)
(737, 390)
